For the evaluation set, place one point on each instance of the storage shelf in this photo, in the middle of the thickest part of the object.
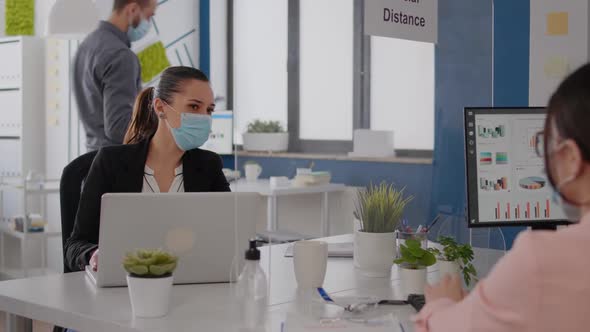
(4, 228)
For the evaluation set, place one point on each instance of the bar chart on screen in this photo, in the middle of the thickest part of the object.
(528, 210)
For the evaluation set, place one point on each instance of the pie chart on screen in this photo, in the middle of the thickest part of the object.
(532, 183)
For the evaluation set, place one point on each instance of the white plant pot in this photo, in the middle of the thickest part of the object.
(448, 267)
(413, 281)
(266, 142)
(374, 253)
(150, 297)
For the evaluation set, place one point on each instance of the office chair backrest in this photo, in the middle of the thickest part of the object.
(70, 188)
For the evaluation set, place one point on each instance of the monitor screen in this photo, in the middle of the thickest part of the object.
(506, 181)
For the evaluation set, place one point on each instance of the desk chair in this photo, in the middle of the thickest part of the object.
(70, 188)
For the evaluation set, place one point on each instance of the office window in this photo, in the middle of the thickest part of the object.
(259, 62)
(402, 91)
(326, 69)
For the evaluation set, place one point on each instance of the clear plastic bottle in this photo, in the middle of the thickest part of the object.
(252, 292)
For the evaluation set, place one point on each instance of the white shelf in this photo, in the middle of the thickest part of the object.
(4, 228)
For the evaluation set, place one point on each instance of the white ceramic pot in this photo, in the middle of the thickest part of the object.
(413, 281)
(252, 172)
(448, 267)
(266, 142)
(150, 297)
(374, 253)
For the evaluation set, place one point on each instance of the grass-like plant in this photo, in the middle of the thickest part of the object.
(414, 257)
(150, 263)
(380, 208)
(460, 253)
(265, 127)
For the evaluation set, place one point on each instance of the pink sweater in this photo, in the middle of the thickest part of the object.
(542, 284)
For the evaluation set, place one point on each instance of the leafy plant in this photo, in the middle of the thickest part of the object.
(265, 127)
(251, 162)
(414, 257)
(460, 253)
(380, 208)
(150, 263)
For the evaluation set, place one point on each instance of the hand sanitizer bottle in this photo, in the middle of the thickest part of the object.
(252, 292)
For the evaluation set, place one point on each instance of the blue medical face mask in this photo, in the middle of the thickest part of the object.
(193, 132)
(136, 33)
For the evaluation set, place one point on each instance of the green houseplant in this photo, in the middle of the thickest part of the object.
(413, 262)
(150, 281)
(266, 136)
(455, 258)
(379, 209)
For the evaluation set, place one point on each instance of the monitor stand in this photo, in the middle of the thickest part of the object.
(544, 228)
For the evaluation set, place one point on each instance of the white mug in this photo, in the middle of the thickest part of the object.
(252, 172)
(310, 261)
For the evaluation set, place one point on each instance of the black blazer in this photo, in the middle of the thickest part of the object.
(120, 169)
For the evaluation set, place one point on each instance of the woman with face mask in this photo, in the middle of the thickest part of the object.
(169, 124)
(543, 283)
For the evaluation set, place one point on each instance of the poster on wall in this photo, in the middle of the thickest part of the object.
(558, 45)
(405, 19)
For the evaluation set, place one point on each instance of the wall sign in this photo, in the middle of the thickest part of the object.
(404, 19)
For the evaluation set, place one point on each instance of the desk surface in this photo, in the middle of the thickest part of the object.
(72, 300)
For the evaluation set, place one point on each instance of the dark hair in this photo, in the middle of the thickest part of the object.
(569, 110)
(120, 4)
(144, 121)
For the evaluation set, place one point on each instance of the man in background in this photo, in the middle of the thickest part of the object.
(107, 74)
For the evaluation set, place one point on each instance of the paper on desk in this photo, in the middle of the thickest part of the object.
(297, 323)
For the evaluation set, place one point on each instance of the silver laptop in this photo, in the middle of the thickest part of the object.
(199, 227)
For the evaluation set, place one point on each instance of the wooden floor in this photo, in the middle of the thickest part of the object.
(37, 326)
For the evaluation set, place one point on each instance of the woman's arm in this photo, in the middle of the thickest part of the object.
(220, 183)
(84, 239)
(506, 300)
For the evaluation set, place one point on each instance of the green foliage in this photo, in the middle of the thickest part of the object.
(265, 127)
(380, 208)
(20, 17)
(153, 60)
(251, 162)
(150, 263)
(461, 253)
(413, 256)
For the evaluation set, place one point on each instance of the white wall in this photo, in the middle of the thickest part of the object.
(553, 57)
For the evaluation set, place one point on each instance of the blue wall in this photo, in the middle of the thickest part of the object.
(512, 58)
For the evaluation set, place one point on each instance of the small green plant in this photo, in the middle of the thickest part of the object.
(414, 257)
(150, 263)
(265, 127)
(380, 208)
(251, 162)
(460, 253)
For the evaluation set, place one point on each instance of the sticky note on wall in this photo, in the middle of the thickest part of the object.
(153, 60)
(556, 67)
(20, 17)
(557, 24)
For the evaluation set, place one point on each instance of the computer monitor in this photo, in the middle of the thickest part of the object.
(506, 180)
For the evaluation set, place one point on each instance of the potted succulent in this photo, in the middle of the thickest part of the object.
(413, 262)
(267, 136)
(150, 281)
(455, 258)
(379, 210)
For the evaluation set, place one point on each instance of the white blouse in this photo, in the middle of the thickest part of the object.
(151, 186)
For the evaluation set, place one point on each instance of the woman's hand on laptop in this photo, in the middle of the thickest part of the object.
(94, 260)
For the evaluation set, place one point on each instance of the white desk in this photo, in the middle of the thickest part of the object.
(71, 300)
(263, 188)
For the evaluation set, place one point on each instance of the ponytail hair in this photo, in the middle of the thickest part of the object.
(144, 121)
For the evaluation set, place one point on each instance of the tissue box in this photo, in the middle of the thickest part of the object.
(373, 144)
